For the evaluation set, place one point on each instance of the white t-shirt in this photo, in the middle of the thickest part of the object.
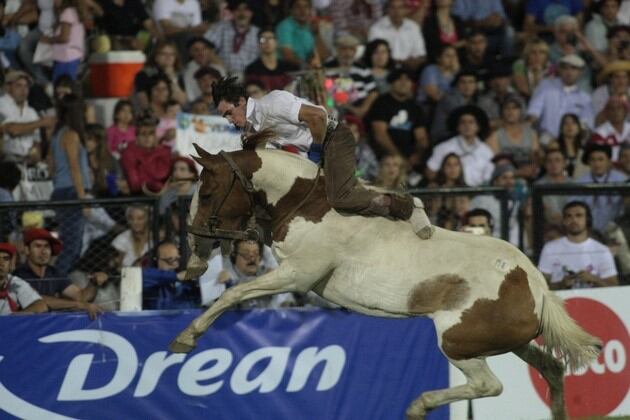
(476, 159)
(181, 15)
(46, 22)
(405, 42)
(279, 110)
(124, 244)
(11, 113)
(21, 293)
(561, 256)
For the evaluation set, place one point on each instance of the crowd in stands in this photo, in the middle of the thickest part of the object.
(438, 93)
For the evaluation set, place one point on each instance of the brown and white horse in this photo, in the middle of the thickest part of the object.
(484, 296)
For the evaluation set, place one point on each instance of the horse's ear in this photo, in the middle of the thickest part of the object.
(200, 161)
(201, 152)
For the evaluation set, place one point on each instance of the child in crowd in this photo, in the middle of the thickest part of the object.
(122, 132)
(166, 129)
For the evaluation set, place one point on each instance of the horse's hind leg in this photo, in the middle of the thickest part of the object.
(481, 382)
(280, 280)
(552, 370)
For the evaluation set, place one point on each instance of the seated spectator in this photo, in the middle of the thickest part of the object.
(435, 80)
(475, 57)
(378, 59)
(56, 290)
(202, 54)
(499, 84)
(298, 35)
(605, 208)
(570, 142)
(163, 287)
(515, 137)
(350, 78)
(447, 211)
(178, 20)
(402, 34)
(16, 295)
(615, 131)
(198, 107)
(555, 173)
(124, 22)
(618, 43)
(575, 260)
(146, 164)
(269, 69)
(164, 61)
(354, 18)
(542, 14)
(68, 41)
(489, 17)
(159, 94)
(463, 92)
(133, 243)
(100, 266)
(470, 125)
(614, 81)
(533, 66)
(478, 222)
(396, 123)
(166, 130)
(442, 28)
(392, 173)
(236, 40)
(103, 168)
(255, 89)
(556, 97)
(20, 122)
(122, 131)
(181, 182)
(596, 29)
(205, 77)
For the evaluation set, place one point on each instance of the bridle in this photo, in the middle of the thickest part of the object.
(213, 232)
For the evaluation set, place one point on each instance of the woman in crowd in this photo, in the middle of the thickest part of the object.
(571, 142)
(181, 183)
(441, 28)
(516, 138)
(378, 59)
(159, 95)
(436, 78)
(165, 61)
(100, 161)
(68, 41)
(392, 173)
(533, 66)
(68, 161)
(448, 211)
(134, 243)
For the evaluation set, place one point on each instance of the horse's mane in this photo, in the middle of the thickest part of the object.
(259, 139)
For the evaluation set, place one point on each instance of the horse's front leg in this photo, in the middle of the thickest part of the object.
(281, 280)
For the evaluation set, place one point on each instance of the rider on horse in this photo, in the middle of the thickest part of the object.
(300, 126)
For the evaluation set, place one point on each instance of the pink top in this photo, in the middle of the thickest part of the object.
(118, 140)
(74, 49)
(163, 126)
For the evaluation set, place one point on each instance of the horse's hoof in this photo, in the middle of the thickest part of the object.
(415, 412)
(182, 345)
(426, 232)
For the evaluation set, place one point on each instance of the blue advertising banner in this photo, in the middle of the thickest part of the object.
(260, 364)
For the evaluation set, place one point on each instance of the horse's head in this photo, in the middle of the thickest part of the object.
(219, 208)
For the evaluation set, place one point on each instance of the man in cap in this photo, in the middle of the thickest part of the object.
(16, 295)
(614, 80)
(555, 97)
(351, 80)
(57, 292)
(20, 122)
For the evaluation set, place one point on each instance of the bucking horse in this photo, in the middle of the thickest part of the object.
(484, 295)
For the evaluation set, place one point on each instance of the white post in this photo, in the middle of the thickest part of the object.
(131, 289)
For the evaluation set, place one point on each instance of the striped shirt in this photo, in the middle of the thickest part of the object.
(356, 81)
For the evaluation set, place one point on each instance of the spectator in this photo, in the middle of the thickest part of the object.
(255, 89)
(575, 260)
(298, 35)
(101, 163)
(28, 45)
(515, 137)
(392, 173)
(402, 34)
(71, 178)
(354, 18)
(397, 125)
(378, 59)
(499, 88)
(597, 28)
(618, 43)
(614, 81)
(124, 21)
(463, 92)
(179, 20)
(489, 17)
(436, 79)
(100, 266)
(236, 40)
(205, 77)
(122, 131)
(68, 47)
(555, 173)
(442, 28)
(478, 221)
(470, 125)
(542, 14)
(533, 66)
(9, 42)
(447, 211)
(556, 97)
(367, 164)
(182, 182)
(202, 54)
(16, 295)
(268, 13)
(159, 93)
(166, 130)
(20, 122)
(58, 293)
(268, 69)
(10, 176)
(475, 56)
(616, 130)
(351, 78)
(624, 159)
(570, 142)
(604, 208)
(164, 61)
(145, 163)
(163, 287)
(133, 243)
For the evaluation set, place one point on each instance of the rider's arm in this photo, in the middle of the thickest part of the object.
(316, 120)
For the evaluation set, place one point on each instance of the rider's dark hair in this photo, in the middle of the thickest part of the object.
(228, 89)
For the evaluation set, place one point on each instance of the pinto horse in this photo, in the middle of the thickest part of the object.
(485, 297)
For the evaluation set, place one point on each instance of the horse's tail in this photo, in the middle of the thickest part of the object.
(563, 336)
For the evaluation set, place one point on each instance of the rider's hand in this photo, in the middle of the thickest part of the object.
(315, 152)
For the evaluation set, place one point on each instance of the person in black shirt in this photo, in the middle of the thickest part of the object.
(268, 69)
(123, 20)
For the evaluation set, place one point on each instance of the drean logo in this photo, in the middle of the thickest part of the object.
(200, 374)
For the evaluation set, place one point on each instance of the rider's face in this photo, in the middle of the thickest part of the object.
(235, 114)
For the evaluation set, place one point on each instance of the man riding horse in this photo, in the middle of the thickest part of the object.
(300, 126)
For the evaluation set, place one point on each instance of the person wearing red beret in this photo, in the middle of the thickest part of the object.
(16, 295)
